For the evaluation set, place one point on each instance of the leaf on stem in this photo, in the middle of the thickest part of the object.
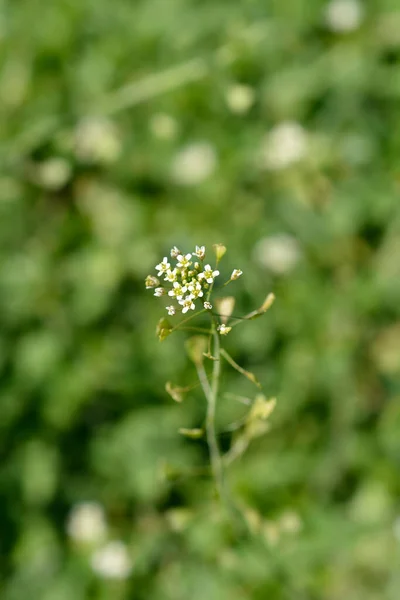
(163, 328)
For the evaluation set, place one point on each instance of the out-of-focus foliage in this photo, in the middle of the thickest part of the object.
(129, 127)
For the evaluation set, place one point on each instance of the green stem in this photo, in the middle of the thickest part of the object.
(198, 329)
(188, 319)
(216, 460)
(211, 393)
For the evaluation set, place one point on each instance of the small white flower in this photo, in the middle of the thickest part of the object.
(159, 292)
(177, 291)
(343, 16)
(200, 252)
(163, 266)
(194, 288)
(151, 282)
(207, 305)
(87, 523)
(112, 561)
(187, 303)
(223, 329)
(171, 275)
(171, 310)
(208, 274)
(184, 261)
(175, 252)
(285, 145)
(236, 273)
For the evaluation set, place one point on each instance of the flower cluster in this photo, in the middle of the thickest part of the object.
(186, 281)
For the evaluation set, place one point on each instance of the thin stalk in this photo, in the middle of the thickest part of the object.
(198, 329)
(250, 376)
(196, 314)
(211, 393)
(205, 384)
(215, 456)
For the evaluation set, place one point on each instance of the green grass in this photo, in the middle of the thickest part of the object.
(99, 104)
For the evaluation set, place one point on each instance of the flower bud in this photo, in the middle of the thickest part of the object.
(200, 252)
(175, 252)
(236, 273)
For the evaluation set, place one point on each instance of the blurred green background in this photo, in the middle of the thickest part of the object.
(128, 127)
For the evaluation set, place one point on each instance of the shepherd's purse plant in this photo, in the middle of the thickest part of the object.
(188, 284)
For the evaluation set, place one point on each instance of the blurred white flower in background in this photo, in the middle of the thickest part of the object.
(163, 126)
(278, 253)
(239, 98)
(290, 522)
(285, 145)
(87, 523)
(194, 163)
(112, 561)
(343, 16)
(54, 173)
(97, 141)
